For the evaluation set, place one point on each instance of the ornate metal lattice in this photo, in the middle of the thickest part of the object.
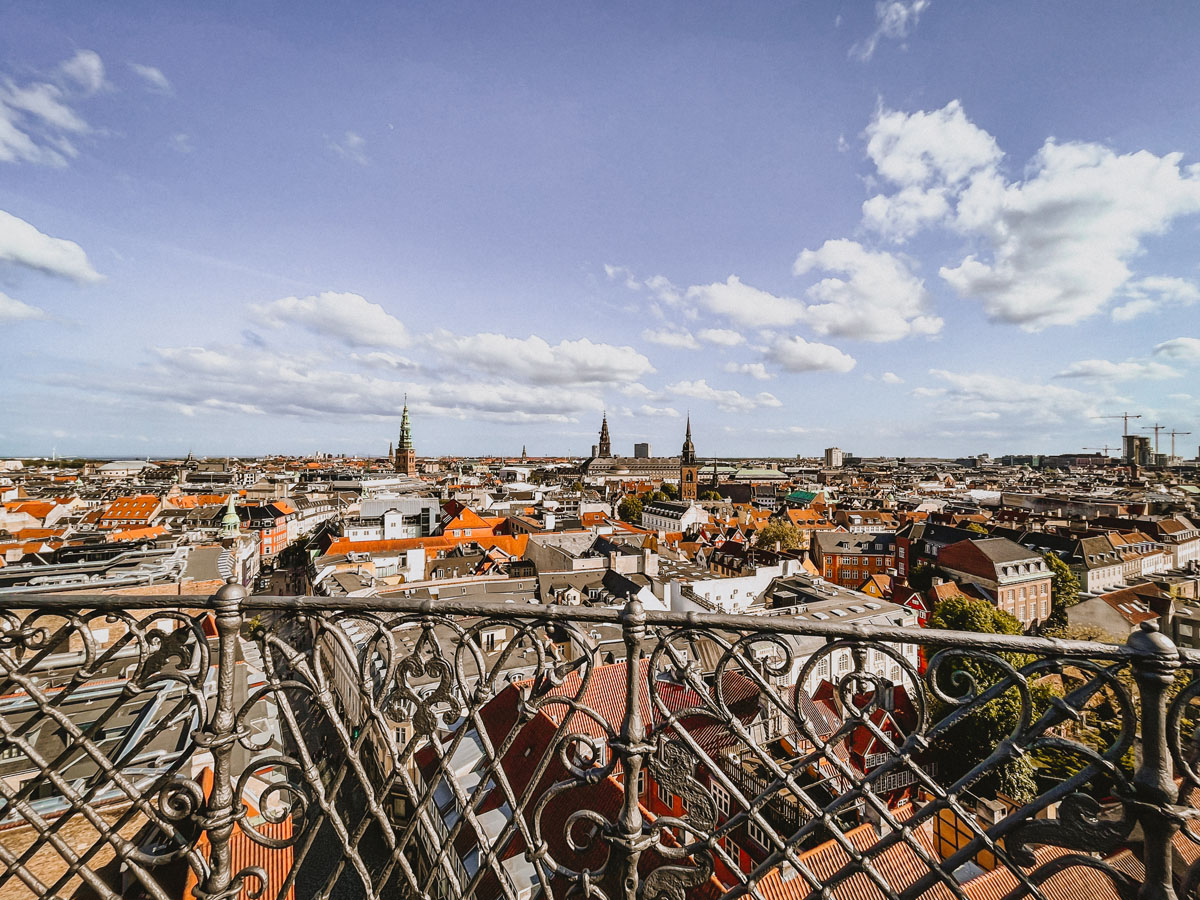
(308, 748)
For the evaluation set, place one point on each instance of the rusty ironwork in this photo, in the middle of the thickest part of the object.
(301, 747)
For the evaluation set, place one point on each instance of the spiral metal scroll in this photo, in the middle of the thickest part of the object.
(103, 729)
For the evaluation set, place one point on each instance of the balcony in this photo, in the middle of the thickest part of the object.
(308, 747)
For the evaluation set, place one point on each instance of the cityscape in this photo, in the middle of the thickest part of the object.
(599, 451)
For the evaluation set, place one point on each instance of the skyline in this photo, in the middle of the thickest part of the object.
(906, 229)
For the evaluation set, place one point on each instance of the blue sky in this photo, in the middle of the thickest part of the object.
(914, 227)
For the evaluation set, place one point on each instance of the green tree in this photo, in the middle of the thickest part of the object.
(710, 495)
(1064, 590)
(777, 530)
(670, 491)
(656, 497)
(975, 736)
(630, 510)
(965, 614)
(977, 528)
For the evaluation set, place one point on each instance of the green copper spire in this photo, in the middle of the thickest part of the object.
(231, 526)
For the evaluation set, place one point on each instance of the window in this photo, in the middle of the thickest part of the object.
(666, 796)
(757, 835)
(843, 663)
(721, 799)
(641, 782)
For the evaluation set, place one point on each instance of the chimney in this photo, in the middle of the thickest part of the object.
(937, 581)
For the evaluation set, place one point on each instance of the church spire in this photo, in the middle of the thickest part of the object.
(605, 441)
(406, 456)
(688, 470)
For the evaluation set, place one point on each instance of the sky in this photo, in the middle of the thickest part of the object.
(903, 228)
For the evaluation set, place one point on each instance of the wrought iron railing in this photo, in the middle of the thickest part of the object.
(303, 747)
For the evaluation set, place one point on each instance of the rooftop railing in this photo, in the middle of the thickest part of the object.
(305, 747)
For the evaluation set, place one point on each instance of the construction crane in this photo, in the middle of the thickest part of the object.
(1156, 429)
(1173, 433)
(1125, 417)
(1105, 448)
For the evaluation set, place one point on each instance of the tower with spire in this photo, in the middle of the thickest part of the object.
(406, 456)
(689, 472)
(605, 449)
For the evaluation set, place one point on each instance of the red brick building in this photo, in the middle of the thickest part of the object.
(1017, 579)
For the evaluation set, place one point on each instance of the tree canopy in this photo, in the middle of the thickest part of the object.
(670, 491)
(785, 533)
(967, 614)
(1064, 590)
(630, 510)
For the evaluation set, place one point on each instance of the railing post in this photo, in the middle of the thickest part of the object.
(628, 838)
(219, 737)
(1154, 783)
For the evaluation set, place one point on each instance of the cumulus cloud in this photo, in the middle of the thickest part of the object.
(1052, 248)
(349, 318)
(352, 146)
(798, 355)
(725, 400)
(38, 119)
(153, 78)
(1154, 293)
(723, 337)
(1106, 370)
(1184, 349)
(894, 20)
(671, 337)
(21, 244)
(746, 305)
(535, 361)
(891, 378)
(879, 299)
(12, 310)
(755, 370)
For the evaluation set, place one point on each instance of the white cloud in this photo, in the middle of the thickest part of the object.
(754, 370)
(1106, 370)
(879, 300)
(23, 245)
(352, 147)
(798, 355)
(1184, 349)
(534, 361)
(250, 380)
(670, 337)
(981, 395)
(38, 120)
(349, 318)
(181, 141)
(723, 337)
(746, 305)
(940, 148)
(668, 411)
(1061, 240)
(153, 77)
(891, 378)
(623, 274)
(725, 400)
(894, 20)
(1053, 248)
(1153, 293)
(86, 69)
(12, 310)
(382, 360)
